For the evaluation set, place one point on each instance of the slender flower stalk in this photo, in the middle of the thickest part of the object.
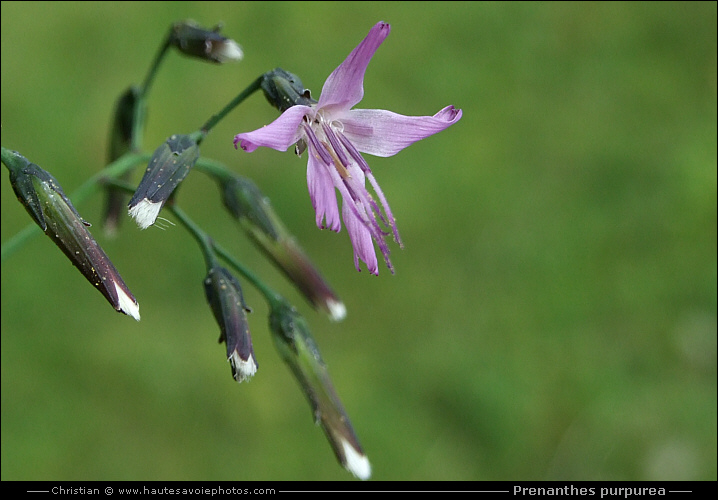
(53, 212)
(294, 342)
(336, 135)
(251, 88)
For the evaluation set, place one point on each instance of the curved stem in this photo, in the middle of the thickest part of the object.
(273, 298)
(149, 79)
(140, 111)
(214, 169)
(210, 247)
(202, 238)
(253, 87)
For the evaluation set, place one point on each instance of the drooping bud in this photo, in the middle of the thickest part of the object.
(195, 41)
(169, 165)
(224, 295)
(298, 349)
(120, 143)
(252, 209)
(47, 204)
(284, 90)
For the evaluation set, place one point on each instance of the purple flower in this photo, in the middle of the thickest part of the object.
(336, 135)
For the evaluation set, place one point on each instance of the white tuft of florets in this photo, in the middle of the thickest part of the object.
(243, 370)
(337, 310)
(356, 462)
(228, 50)
(127, 304)
(145, 212)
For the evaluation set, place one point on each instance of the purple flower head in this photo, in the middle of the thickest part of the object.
(336, 135)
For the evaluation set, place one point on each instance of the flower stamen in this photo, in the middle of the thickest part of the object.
(341, 169)
(319, 152)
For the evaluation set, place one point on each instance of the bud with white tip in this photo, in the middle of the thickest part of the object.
(298, 349)
(224, 295)
(169, 165)
(252, 209)
(195, 41)
(47, 204)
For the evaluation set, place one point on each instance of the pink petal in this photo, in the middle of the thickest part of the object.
(345, 86)
(321, 191)
(361, 240)
(383, 133)
(280, 134)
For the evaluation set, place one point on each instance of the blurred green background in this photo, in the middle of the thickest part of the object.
(553, 313)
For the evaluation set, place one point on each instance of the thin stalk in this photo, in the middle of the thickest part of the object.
(138, 119)
(202, 238)
(210, 247)
(253, 87)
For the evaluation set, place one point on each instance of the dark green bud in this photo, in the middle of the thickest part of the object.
(284, 90)
(48, 206)
(195, 41)
(169, 165)
(119, 144)
(252, 209)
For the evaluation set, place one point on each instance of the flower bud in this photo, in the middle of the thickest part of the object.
(209, 45)
(284, 90)
(298, 349)
(252, 209)
(120, 143)
(47, 204)
(224, 295)
(169, 165)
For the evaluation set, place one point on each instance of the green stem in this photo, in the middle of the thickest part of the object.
(202, 238)
(210, 247)
(149, 79)
(273, 298)
(112, 171)
(214, 169)
(253, 87)
(17, 241)
(138, 119)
